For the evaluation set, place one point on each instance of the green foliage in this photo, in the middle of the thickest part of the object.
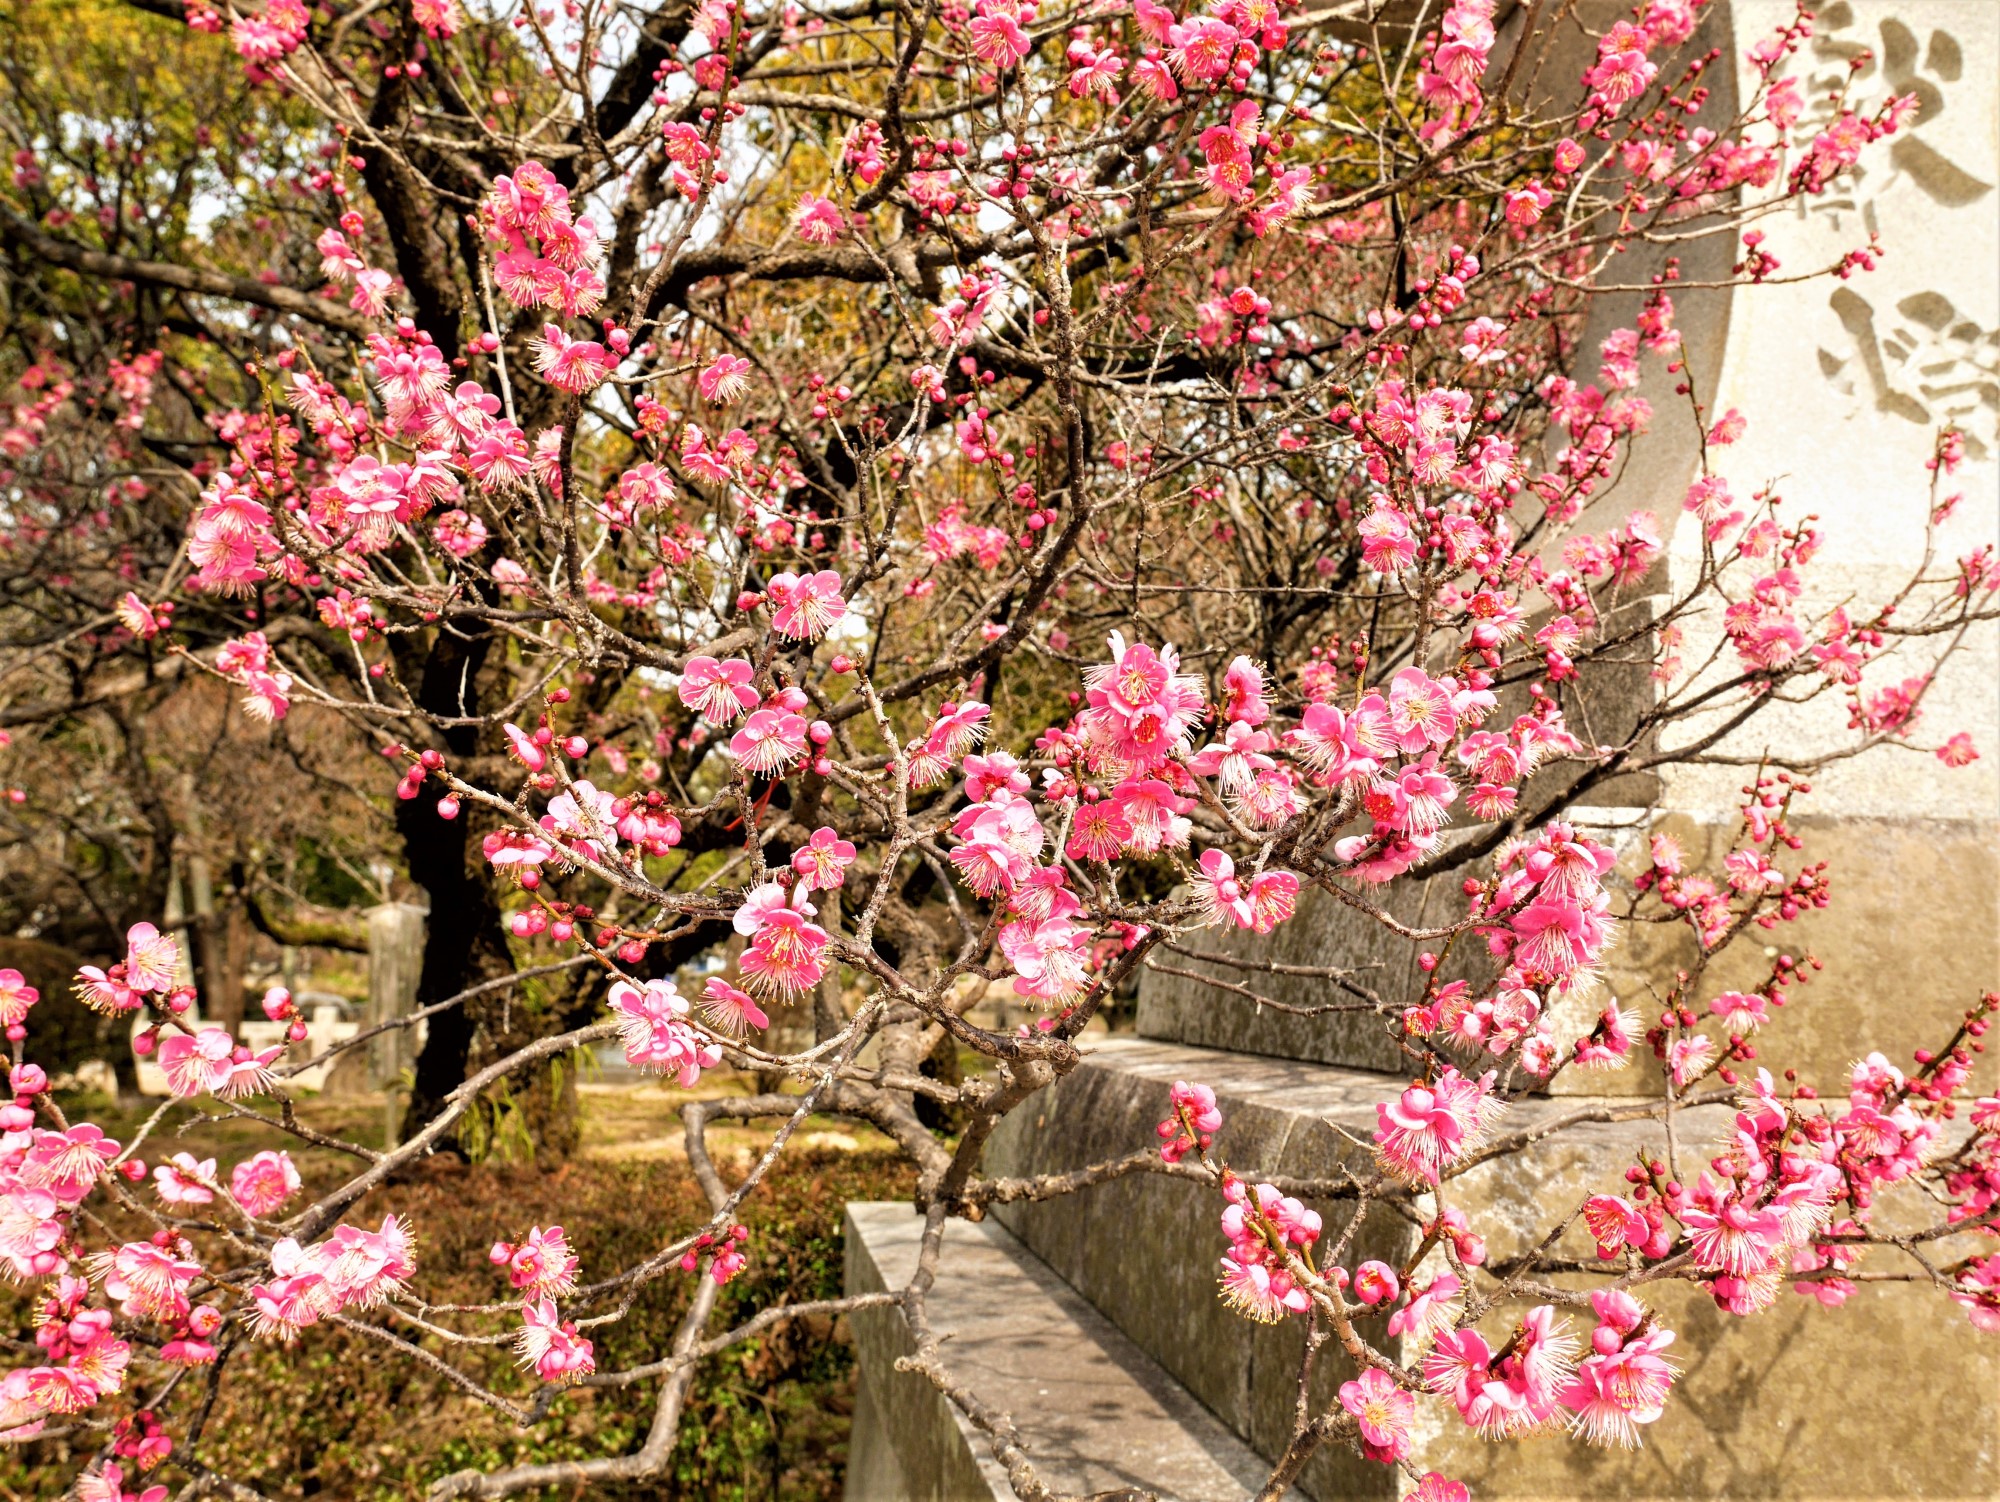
(335, 1415)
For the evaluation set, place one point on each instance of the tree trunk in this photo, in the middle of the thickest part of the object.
(465, 942)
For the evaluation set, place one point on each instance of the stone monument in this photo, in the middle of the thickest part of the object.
(1112, 1291)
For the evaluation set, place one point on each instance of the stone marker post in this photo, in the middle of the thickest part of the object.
(395, 957)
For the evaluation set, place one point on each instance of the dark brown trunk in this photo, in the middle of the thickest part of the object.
(465, 942)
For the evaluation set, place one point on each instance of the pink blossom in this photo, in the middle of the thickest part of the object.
(585, 820)
(996, 35)
(550, 1346)
(1383, 1414)
(152, 959)
(817, 220)
(653, 1024)
(17, 997)
(1261, 1292)
(1387, 545)
(787, 955)
(573, 365)
(1375, 1283)
(769, 741)
(183, 1181)
(1621, 1386)
(1236, 759)
(806, 608)
(717, 691)
(1615, 1224)
(1430, 1309)
(542, 1266)
(371, 292)
(1958, 751)
(1141, 707)
(1202, 49)
(724, 380)
(211, 1062)
(823, 861)
(67, 1164)
(1192, 1108)
(729, 1010)
(262, 1183)
(1420, 1134)
(148, 1281)
(1734, 1238)
(1048, 958)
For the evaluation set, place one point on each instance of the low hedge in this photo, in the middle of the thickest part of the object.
(338, 1415)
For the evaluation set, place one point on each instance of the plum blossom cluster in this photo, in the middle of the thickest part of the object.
(1271, 1237)
(653, 1022)
(542, 1269)
(547, 257)
(352, 1268)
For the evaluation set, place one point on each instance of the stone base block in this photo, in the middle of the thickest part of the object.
(1912, 939)
(1768, 1407)
(1096, 1414)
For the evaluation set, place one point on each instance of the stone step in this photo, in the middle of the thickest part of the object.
(1095, 1413)
(1749, 1416)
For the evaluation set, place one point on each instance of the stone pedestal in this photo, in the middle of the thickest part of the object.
(1749, 1416)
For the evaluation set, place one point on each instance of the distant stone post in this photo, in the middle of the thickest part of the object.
(395, 956)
